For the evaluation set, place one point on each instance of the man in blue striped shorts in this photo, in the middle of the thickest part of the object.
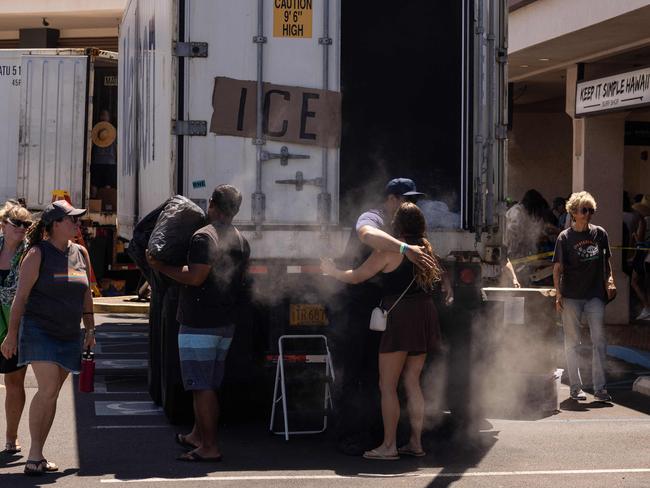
(213, 284)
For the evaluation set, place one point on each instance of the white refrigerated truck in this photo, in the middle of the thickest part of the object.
(309, 107)
(46, 121)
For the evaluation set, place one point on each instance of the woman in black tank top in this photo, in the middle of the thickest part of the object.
(52, 297)
(412, 329)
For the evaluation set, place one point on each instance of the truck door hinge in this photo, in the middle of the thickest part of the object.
(191, 49)
(300, 181)
(501, 132)
(502, 55)
(284, 156)
(189, 128)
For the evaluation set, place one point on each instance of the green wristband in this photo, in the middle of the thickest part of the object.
(403, 248)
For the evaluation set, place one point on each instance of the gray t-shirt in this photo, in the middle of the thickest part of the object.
(583, 256)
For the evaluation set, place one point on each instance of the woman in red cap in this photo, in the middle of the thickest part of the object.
(52, 297)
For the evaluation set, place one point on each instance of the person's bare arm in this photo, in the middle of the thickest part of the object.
(193, 274)
(382, 241)
(557, 273)
(88, 315)
(511, 269)
(28, 275)
(611, 285)
(375, 263)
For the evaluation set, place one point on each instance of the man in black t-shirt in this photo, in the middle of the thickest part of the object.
(213, 285)
(582, 276)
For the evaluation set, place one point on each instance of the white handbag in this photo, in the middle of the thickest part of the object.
(379, 316)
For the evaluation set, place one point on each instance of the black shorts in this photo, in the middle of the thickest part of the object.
(9, 365)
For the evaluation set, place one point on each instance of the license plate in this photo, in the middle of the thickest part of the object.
(307, 314)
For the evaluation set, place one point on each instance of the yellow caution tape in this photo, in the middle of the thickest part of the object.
(548, 254)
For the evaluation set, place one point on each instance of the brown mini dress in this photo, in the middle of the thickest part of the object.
(412, 325)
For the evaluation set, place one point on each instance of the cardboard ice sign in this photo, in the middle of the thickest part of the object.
(290, 114)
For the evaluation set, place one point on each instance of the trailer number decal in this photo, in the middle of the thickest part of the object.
(307, 314)
(11, 71)
(292, 18)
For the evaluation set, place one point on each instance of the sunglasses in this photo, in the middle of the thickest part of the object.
(26, 224)
(587, 210)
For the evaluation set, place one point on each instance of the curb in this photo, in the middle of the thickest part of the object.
(642, 385)
(121, 304)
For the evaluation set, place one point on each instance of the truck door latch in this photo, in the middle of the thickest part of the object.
(284, 156)
(300, 181)
(191, 49)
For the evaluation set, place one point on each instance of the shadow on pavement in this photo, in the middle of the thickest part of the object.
(17, 480)
(141, 453)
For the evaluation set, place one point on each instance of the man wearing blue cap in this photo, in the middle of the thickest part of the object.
(359, 426)
(372, 225)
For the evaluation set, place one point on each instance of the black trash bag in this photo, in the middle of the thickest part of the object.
(141, 234)
(170, 238)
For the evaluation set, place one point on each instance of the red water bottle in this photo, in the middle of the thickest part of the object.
(87, 376)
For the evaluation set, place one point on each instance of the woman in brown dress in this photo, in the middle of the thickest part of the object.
(411, 332)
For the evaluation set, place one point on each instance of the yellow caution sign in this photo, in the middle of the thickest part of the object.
(292, 18)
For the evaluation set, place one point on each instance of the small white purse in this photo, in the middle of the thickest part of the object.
(379, 316)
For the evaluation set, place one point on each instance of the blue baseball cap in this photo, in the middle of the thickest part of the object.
(403, 187)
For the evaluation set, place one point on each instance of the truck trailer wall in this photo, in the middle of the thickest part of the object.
(146, 106)
(52, 128)
(229, 29)
(10, 80)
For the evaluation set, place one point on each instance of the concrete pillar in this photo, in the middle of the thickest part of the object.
(598, 164)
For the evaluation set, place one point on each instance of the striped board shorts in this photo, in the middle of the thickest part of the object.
(203, 354)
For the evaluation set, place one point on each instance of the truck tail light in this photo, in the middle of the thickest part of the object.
(467, 276)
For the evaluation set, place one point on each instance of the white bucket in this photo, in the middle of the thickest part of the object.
(558, 383)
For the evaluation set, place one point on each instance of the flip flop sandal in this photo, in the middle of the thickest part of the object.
(192, 457)
(34, 468)
(407, 451)
(374, 454)
(11, 448)
(181, 440)
(48, 467)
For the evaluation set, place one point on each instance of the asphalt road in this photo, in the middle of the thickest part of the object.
(117, 437)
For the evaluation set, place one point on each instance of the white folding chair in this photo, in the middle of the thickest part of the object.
(280, 384)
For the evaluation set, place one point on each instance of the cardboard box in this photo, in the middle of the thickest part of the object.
(108, 197)
(94, 205)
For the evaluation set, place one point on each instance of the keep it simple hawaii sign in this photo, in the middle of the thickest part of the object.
(626, 90)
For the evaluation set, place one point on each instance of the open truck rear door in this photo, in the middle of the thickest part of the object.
(52, 139)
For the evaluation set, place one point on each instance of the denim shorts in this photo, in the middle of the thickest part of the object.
(34, 344)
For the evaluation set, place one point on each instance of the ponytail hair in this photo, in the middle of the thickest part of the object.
(409, 223)
(35, 233)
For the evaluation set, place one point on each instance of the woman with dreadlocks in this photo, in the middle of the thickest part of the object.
(411, 332)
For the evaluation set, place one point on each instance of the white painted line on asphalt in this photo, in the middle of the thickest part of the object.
(120, 335)
(471, 474)
(121, 364)
(103, 427)
(127, 408)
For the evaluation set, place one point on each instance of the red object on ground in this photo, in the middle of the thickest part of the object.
(87, 376)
